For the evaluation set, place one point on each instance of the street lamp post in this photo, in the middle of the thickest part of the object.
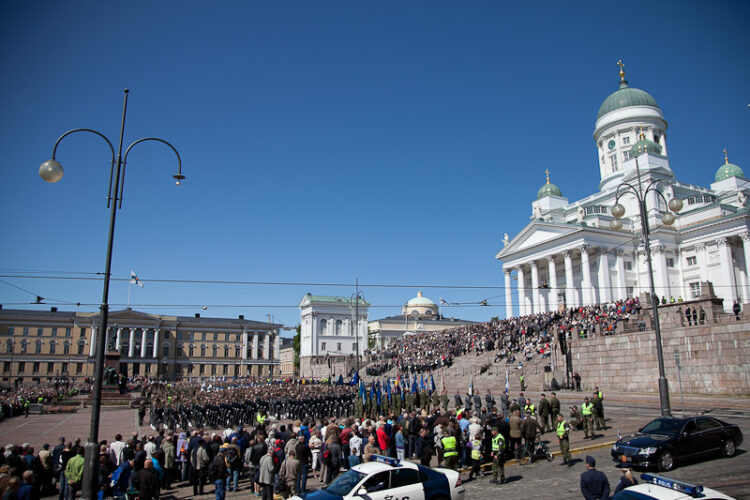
(675, 205)
(51, 171)
(355, 298)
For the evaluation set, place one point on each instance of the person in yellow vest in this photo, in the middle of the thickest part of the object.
(529, 408)
(587, 412)
(261, 417)
(450, 451)
(498, 456)
(563, 436)
(476, 457)
(522, 380)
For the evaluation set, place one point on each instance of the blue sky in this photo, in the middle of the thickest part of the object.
(394, 142)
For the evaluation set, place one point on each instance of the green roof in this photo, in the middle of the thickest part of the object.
(548, 190)
(644, 146)
(334, 300)
(625, 97)
(728, 170)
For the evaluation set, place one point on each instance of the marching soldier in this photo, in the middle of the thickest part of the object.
(544, 413)
(596, 400)
(444, 401)
(554, 405)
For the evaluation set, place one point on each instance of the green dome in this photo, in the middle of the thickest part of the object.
(644, 146)
(728, 170)
(625, 97)
(548, 190)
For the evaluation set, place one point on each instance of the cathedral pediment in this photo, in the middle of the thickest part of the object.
(130, 315)
(534, 235)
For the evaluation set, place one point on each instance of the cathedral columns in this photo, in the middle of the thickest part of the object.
(730, 285)
(156, 344)
(571, 297)
(535, 302)
(509, 295)
(621, 291)
(701, 254)
(661, 278)
(553, 292)
(746, 248)
(586, 279)
(143, 342)
(131, 343)
(521, 292)
(605, 283)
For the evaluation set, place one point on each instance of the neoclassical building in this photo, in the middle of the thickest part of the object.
(39, 346)
(419, 314)
(571, 255)
(329, 326)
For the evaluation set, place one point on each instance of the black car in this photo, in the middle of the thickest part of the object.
(665, 441)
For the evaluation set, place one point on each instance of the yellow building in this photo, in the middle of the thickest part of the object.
(41, 346)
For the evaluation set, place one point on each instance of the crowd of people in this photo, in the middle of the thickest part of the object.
(269, 457)
(515, 338)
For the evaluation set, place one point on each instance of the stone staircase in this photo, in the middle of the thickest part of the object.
(459, 375)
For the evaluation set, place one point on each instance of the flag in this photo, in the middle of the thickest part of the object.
(421, 382)
(134, 279)
(362, 390)
(471, 386)
(388, 388)
(443, 301)
(432, 383)
(414, 385)
(355, 380)
(507, 381)
(445, 391)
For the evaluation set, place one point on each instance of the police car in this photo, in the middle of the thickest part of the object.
(663, 488)
(385, 478)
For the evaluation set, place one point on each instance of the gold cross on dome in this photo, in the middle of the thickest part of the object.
(622, 69)
(547, 172)
(726, 158)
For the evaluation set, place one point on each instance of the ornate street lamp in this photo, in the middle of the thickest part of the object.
(618, 211)
(51, 171)
(355, 298)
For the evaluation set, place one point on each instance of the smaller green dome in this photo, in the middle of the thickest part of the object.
(548, 189)
(644, 146)
(728, 170)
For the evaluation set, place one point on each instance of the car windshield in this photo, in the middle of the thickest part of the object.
(663, 426)
(344, 483)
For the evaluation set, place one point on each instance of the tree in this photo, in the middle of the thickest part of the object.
(296, 344)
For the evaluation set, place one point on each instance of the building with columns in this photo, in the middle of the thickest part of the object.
(419, 314)
(570, 255)
(39, 346)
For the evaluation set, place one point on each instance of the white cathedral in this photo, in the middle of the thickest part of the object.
(574, 254)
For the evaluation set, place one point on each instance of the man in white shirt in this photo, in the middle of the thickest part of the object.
(115, 449)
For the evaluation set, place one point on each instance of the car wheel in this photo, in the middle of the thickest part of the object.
(728, 448)
(666, 461)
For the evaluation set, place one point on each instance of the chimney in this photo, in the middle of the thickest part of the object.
(197, 315)
(53, 309)
(241, 316)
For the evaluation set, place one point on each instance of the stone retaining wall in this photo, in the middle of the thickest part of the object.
(714, 356)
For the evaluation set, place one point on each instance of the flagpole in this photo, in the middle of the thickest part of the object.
(130, 282)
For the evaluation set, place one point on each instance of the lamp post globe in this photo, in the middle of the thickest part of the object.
(616, 224)
(675, 204)
(618, 211)
(51, 171)
(667, 219)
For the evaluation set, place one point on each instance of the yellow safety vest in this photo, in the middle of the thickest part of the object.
(561, 429)
(586, 409)
(530, 407)
(449, 446)
(498, 443)
(476, 453)
(261, 418)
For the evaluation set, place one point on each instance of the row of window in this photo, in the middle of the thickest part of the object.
(181, 335)
(338, 346)
(64, 367)
(705, 198)
(10, 346)
(36, 367)
(40, 331)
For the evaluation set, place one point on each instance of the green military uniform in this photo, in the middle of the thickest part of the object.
(563, 431)
(410, 402)
(435, 401)
(522, 380)
(498, 458)
(587, 412)
(374, 406)
(358, 407)
(444, 401)
(396, 403)
(386, 405)
(424, 401)
(544, 413)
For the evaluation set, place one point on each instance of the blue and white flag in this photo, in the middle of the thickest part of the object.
(507, 381)
(134, 279)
